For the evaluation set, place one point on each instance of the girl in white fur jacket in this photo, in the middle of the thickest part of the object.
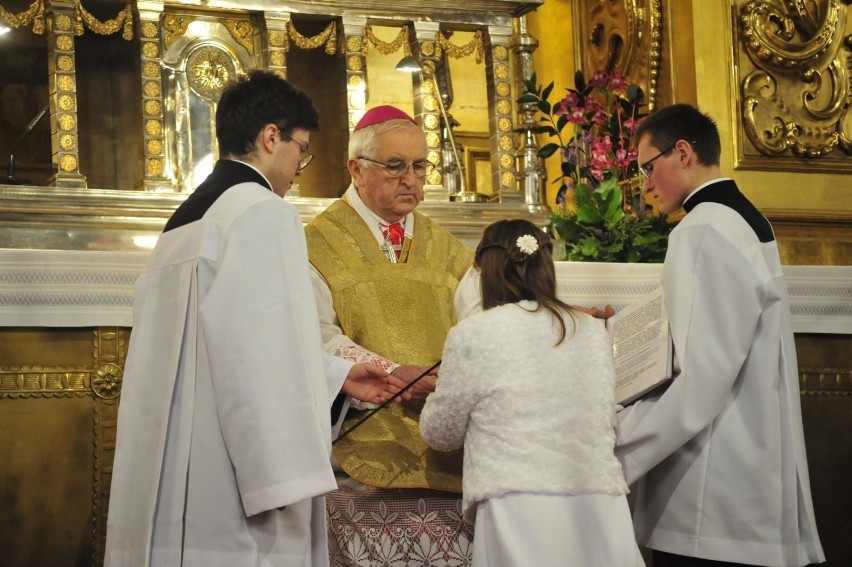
(528, 388)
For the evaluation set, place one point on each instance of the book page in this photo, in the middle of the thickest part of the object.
(641, 346)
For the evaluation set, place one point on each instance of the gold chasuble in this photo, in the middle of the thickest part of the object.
(401, 311)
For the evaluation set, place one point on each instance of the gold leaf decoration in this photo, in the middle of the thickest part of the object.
(34, 15)
(388, 47)
(175, 27)
(106, 380)
(68, 163)
(67, 142)
(65, 83)
(460, 51)
(123, 21)
(242, 32)
(209, 69)
(327, 37)
(67, 122)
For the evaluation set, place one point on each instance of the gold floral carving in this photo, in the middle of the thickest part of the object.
(327, 38)
(434, 157)
(506, 143)
(65, 83)
(153, 127)
(152, 88)
(278, 39)
(67, 142)
(434, 177)
(501, 53)
(150, 49)
(508, 179)
(242, 32)
(430, 103)
(63, 22)
(793, 66)
(427, 48)
(66, 102)
(501, 71)
(149, 30)
(354, 63)
(355, 80)
(153, 107)
(503, 88)
(430, 121)
(67, 122)
(155, 147)
(504, 124)
(106, 380)
(504, 106)
(34, 15)
(64, 43)
(277, 58)
(354, 44)
(432, 140)
(65, 63)
(175, 27)
(151, 69)
(622, 35)
(209, 69)
(460, 51)
(506, 161)
(154, 168)
(385, 47)
(68, 163)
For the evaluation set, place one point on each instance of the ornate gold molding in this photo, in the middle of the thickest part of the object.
(623, 35)
(388, 47)
(33, 14)
(792, 71)
(327, 38)
(825, 381)
(461, 51)
(242, 31)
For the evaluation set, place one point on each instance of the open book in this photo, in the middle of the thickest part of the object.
(641, 346)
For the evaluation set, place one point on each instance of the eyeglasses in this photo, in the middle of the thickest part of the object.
(305, 158)
(398, 168)
(647, 168)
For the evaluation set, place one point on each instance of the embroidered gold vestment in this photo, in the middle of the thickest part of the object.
(401, 311)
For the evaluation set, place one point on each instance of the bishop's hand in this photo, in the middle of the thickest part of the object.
(409, 372)
(370, 383)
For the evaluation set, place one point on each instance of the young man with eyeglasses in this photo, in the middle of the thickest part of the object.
(223, 445)
(385, 278)
(718, 456)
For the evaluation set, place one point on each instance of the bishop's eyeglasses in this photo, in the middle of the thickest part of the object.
(398, 168)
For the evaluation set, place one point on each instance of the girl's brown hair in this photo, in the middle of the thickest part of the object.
(516, 263)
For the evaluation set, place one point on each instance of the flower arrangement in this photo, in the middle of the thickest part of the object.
(600, 212)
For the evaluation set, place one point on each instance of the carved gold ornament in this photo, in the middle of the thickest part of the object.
(354, 63)
(460, 51)
(277, 39)
(434, 178)
(501, 71)
(434, 157)
(152, 88)
(153, 107)
(355, 80)
(506, 161)
(63, 22)
(506, 143)
(209, 69)
(430, 103)
(155, 147)
(427, 48)
(68, 163)
(151, 70)
(385, 47)
(65, 63)
(67, 142)
(65, 83)
(503, 106)
(64, 43)
(504, 124)
(67, 122)
(123, 21)
(106, 380)
(430, 121)
(508, 179)
(153, 127)
(154, 167)
(500, 53)
(277, 58)
(327, 38)
(794, 66)
(503, 88)
(150, 49)
(149, 30)
(242, 32)
(432, 140)
(175, 27)
(66, 102)
(354, 44)
(33, 14)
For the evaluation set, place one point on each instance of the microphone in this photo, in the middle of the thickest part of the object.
(10, 175)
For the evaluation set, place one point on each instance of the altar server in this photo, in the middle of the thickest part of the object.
(719, 455)
(223, 430)
(528, 387)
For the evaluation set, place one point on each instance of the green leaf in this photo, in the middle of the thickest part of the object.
(561, 122)
(547, 90)
(547, 150)
(590, 247)
(579, 81)
(544, 106)
(528, 98)
(588, 213)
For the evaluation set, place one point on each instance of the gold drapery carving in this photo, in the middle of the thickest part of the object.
(794, 84)
(327, 37)
(82, 19)
(385, 47)
(33, 14)
(460, 51)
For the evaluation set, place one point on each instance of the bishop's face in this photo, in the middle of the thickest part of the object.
(664, 175)
(389, 196)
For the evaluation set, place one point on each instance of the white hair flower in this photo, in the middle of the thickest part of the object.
(527, 244)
